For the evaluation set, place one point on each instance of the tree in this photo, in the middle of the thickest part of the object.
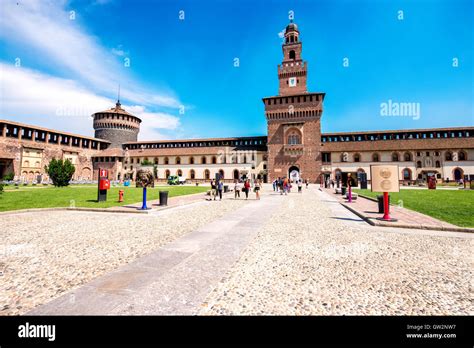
(60, 172)
(8, 177)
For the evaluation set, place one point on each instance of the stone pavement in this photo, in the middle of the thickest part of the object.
(290, 255)
(176, 278)
(317, 258)
(405, 218)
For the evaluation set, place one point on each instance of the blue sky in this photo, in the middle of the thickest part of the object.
(59, 66)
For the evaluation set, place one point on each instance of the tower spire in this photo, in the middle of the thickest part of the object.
(118, 97)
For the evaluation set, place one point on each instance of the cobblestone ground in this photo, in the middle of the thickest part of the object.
(44, 254)
(306, 262)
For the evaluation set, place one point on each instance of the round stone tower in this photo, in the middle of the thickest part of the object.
(116, 125)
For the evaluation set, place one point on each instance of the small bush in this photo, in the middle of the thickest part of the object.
(60, 172)
(8, 177)
(1, 188)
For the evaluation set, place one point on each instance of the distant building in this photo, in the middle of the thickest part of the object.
(294, 147)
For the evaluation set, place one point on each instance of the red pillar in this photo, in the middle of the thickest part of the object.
(386, 207)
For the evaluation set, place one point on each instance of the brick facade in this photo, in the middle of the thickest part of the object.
(294, 141)
(293, 117)
(26, 158)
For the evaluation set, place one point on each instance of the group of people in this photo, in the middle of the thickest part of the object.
(284, 185)
(244, 186)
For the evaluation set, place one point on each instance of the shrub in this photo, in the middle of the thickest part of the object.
(1, 188)
(60, 172)
(8, 177)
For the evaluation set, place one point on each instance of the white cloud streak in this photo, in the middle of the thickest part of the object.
(91, 71)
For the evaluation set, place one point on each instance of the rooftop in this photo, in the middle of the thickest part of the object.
(24, 125)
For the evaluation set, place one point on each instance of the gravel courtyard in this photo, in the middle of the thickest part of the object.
(305, 261)
(44, 254)
(308, 256)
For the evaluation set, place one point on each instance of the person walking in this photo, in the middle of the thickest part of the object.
(306, 182)
(274, 184)
(220, 186)
(247, 188)
(285, 186)
(213, 189)
(257, 188)
(237, 188)
(300, 186)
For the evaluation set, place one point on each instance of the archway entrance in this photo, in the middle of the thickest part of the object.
(294, 173)
(458, 174)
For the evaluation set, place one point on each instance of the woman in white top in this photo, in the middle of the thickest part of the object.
(237, 188)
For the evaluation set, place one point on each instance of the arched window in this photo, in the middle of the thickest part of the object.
(191, 160)
(179, 172)
(407, 157)
(448, 156)
(156, 160)
(236, 174)
(395, 157)
(462, 156)
(294, 138)
(178, 160)
(418, 164)
(406, 174)
(26, 164)
(167, 161)
(167, 174)
(357, 157)
(214, 160)
(375, 157)
(192, 174)
(203, 160)
(438, 164)
(292, 54)
(207, 174)
(221, 173)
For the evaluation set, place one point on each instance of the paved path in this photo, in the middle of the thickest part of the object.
(317, 258)
(290, 255)
(174, 279)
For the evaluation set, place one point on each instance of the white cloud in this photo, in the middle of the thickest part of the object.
(32, 97)
(45, 27)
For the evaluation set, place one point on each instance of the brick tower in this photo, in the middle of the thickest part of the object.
(293, 117)
(116, 125)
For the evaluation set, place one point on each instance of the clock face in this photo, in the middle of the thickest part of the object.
(292, 81)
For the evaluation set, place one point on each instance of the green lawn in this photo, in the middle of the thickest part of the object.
(82, 196)
(453, 206)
